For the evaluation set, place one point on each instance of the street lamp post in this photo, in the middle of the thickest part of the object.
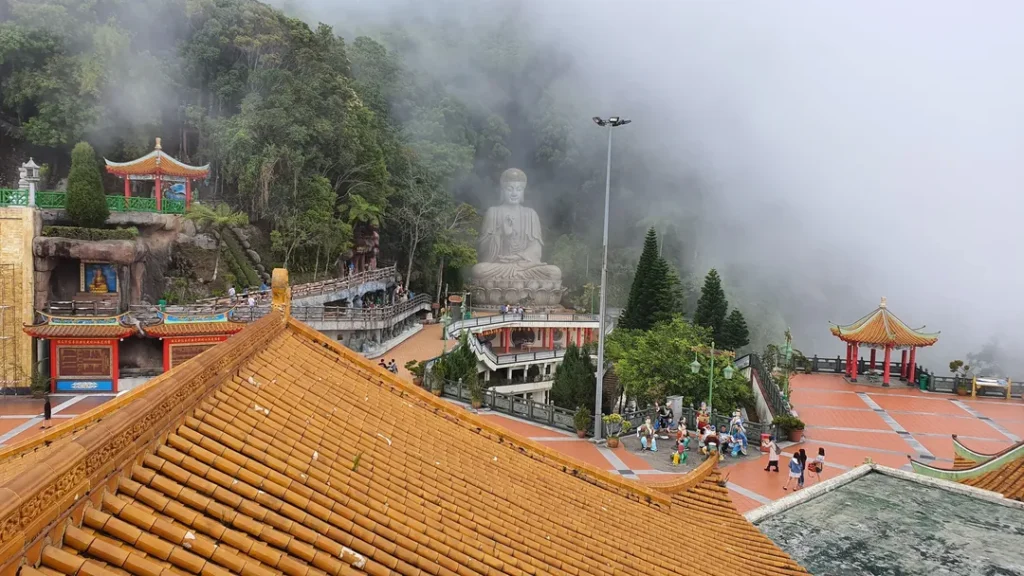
(727, 372)
(611, 122)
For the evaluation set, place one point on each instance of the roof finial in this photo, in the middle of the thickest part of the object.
(158, 147)
(882, 303)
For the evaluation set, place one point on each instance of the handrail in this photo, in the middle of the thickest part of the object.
(456, 328)
(778, 405)
(319, 287)
(242, 313)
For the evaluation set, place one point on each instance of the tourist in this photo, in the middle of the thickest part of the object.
(393, 366)
(252, 306)
(232, 294)
(773, 454)
(504, 309)
(647, 439)
(383, 364)
(818, 464)
(803, 465)
(47, 412)
(264, 288)
(795, 472)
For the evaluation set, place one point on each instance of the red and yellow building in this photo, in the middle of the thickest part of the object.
(157, 167)
(185, 337)
(881, 329)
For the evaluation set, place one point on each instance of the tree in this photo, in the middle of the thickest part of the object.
(216, 220)
(575, 382)
(652, 298)
(735, 334)
(712, 305)
(86, 203)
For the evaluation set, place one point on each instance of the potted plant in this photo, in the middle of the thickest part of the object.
(791, 426)
(476, 393)
(614, 426)
(415, 367)
(582, 420)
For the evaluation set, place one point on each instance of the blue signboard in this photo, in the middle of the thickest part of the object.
(85, 385)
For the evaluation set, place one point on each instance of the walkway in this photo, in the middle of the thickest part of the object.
(21, 418)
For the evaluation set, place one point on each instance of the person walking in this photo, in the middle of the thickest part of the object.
(818, 464)
(794, 472)
(47, 412)
(803, 465)
(773, 454)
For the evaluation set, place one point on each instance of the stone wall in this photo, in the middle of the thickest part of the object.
(17, 228)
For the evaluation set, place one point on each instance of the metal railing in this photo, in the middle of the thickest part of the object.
(456, 328)
(778, 405)
(538, 412)
(314, 288)
(82, 308)
(51, 200)
(513, 358)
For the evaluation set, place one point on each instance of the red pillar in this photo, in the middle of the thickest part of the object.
(912, 368)
(855, 353)
(167, 354)
(551, 339)
(579, 337)
(158, 191)
(115, 371)
(508, 338)
(53, 366)
(872, 359)
(903, 365)
(127, 190)
(188, 193)
(885, 369)
(849, 354)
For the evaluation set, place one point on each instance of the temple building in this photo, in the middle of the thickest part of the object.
(281, 451)
(1002, 472)
(882, 330)
(159, 168)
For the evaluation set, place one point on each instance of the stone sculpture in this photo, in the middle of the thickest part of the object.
(509, 268)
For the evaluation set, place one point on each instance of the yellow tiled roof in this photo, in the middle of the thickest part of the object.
(882, 328)
(1001, 472)
(283, 452)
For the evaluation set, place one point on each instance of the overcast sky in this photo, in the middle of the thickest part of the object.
(860, 149)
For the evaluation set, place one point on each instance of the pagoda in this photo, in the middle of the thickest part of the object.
(158, 167)
(882, 329)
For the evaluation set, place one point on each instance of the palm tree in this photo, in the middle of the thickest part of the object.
(361, 210)
(216, 219)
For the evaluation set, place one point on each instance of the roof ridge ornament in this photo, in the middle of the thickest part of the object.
(281, 292)
(158, 146)
(882, 303)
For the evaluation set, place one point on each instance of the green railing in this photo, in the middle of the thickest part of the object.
(49, 200)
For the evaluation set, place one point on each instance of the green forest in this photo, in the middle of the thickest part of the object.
(317, 137)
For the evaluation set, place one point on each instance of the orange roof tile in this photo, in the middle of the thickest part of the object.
(282, 451)
(164, 330)
(883, 328)
(157, 163)
(1002, 472)
(80, 327)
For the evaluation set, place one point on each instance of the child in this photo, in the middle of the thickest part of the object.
(795, 471)
(818, 464)
(773, 454)
(803, 465)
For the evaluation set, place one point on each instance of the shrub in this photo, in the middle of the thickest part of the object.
(615, 425)
(581, 419)
(787, 423)
(245, 272)
(86, 204)
(94, 234)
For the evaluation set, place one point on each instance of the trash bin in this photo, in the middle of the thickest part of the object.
(162, 304)
(922, 379)
(764, 442)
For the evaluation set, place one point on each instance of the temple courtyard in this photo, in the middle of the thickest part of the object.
(852, 422)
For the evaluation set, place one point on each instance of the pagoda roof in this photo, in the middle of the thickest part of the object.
(170, 325)
(98, 327)
(1001, 472)
(282, 451)
(882, 328)
(157, 163)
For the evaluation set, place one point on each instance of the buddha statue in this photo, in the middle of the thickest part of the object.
(509, 268)
(99, 283)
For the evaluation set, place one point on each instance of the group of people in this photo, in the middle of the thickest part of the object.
(510, 309)
(389, 366)
(251, 299)
(798, 464)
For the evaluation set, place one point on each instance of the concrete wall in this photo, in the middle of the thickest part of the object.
(764, 414)
(18, 226)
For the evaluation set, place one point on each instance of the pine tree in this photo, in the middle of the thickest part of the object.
(86, 203)
(653, 296)
(575, 382)
(712, 306)
(735, 334)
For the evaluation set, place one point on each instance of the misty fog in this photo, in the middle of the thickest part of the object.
(824, 154)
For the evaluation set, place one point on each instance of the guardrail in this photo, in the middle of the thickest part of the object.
(82, 308)
(51, 200)
(778, 405)
(538, 412)
(314, 288)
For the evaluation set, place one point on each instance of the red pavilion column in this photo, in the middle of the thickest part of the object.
(903, 365)
(849, 353)
(508, 338)
(127, 193)
(551, 338)
(855, 353)
(159, 193)
(885, 369)
(579, 337)
(872, 359)
(188, 193)
(912, 367)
